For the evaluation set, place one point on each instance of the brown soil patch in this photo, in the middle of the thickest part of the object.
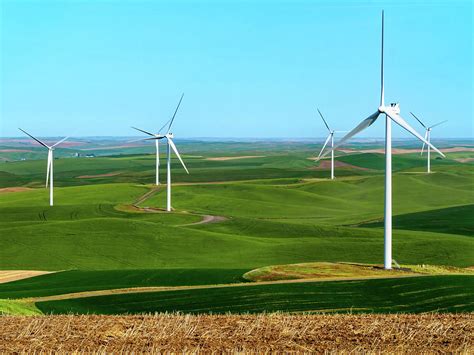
(458, 149)
(262, 333)
(98, 175)
(15, 151)
(13, 275)
(235, 158)
(406, 151)
(114, 147)
(14, 189)
(464, 160)
(64, 144)
(326, 164)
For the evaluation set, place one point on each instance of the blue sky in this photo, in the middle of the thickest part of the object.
(248, 68)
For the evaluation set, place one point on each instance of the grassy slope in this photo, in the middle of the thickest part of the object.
(418, 294)
(453, 220)
(320, 270)
(140, 168)
(275, 221)
(329, 202)
(79, 281)
(18, 308)
(80, 233)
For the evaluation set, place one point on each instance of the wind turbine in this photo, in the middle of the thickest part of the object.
(49, 169)
(428, 138)
(392, 113)
(329, 138)
(158, 136)
(171, 146)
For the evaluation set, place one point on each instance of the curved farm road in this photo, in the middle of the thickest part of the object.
(205, 218)
(85, 294)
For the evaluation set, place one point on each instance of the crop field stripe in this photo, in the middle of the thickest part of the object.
(76, 281)
(436, 293)
(119, 291)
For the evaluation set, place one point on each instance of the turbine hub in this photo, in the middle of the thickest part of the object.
(170, 135)
(381, 109)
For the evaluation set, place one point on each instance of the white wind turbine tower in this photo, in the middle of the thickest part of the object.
(392, 113)
(428, 138)
(49, 169)
(329, 138)
(158, 136)
(171, 146)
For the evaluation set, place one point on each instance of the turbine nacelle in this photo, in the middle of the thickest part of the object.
(393, 108)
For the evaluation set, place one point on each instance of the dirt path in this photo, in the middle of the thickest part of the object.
(14, 275)
(117, 291)
(146, 196)
(326, 164)
(206, 219)
(13, 189)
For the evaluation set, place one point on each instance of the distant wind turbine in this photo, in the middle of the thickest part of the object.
(171, 146)
(428, 138)
(329, 138)
(49, 169)
(392, 113)
(159, 136)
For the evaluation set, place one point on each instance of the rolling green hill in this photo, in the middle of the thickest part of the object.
(412, 295)
(279, 208)
(80, 280)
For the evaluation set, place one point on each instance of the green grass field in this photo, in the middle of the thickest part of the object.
(279, 210)
(411, 295)
(81, 281)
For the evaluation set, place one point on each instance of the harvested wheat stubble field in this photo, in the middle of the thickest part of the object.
(432, 333)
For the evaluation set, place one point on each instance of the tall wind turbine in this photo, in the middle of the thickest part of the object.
(428, 138)
(392, 113)
(158, 136)
(329, 138)
(171, 146)
(49, 169)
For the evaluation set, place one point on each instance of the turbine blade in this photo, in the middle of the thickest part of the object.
(166, 123)
(170, 141)
(49, 167)
(36, 139)
(59, 142)
(144, 139)
(175, 111)
(401, 122)
(324, 120)
(382, 98)
(418, 120)
(423, 146)
(143, 131)
(439, 123)
(363, 125)
(324, 145)
(151, 139)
